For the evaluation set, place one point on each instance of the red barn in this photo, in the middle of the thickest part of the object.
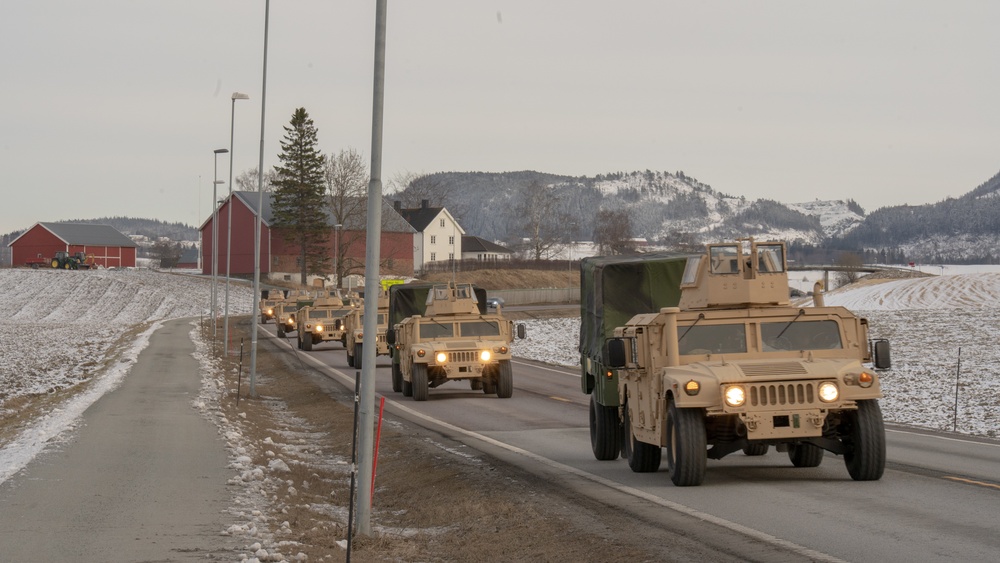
(277, 257)
(102, 244)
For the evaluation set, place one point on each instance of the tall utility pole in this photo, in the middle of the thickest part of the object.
(229, 220)
(215, 244)
(366, 427)
(256, 224)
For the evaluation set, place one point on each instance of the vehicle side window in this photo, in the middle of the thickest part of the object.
(725, 260)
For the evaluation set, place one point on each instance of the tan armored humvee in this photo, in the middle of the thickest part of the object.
(453, 340)
(354, 331)
(285, 311)
(322, 321)
(736, 367)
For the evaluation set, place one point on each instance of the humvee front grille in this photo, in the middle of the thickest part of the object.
(380, 338)
(774, 368)
(782, 394)
(461, 357)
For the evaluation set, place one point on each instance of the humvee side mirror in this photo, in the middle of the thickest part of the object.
(616, 353)
(883, 359)
(522, 331)
(390, 336)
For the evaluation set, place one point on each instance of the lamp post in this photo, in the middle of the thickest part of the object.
(336, 256)
(229, 220)
(215, 241)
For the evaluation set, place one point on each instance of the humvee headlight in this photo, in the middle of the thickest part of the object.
(270, 312)
(828, 392)
(290, 322)
(441, 357)
(319, 328)
(866, 379)
(485, 355)
(421, 353)
(735, 396)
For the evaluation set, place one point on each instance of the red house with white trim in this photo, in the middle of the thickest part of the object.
(102, 244)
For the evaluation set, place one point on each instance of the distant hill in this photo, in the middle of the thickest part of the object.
(675, 209)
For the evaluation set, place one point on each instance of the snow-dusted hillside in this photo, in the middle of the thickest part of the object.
(61, 325)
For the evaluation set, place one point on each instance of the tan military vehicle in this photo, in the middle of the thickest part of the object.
(285, 311)
(354, 331)
(322, 321)
(736, 367)
(454, 339)
(269, 300)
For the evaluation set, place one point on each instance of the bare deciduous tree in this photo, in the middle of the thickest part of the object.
(346, 177)
(613, 232)
(247, 180)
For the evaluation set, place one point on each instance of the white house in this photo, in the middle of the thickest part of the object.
(482, 250)
(439, 236)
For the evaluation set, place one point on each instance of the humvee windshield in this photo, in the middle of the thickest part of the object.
(436, 330)
(381, 319)
(713, 339)
(801, 335)
(479, 328)
(320, 314)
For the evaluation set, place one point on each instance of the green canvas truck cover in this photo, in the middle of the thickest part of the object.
(613, 289)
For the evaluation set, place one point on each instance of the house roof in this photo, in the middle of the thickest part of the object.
(391, 220)
(476, 244)
(89, 234)
(421, 217)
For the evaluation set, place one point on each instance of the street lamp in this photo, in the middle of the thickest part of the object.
(215, 238)
(336, 256)
(229, 221)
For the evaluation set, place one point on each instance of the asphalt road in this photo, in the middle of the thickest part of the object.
(937, 500)
(143, 478)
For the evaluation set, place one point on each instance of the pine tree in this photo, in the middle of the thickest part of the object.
(299, 200)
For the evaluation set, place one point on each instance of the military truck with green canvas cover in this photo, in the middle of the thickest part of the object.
(734, 366)
(355, 334)
(452, 338)
(322, 321)
(613, 289)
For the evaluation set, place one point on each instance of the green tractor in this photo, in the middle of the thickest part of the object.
(67, 261)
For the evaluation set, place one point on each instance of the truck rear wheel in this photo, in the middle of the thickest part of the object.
(419, 377)
(505, 380)
(865, 440)
(642, 457)
(476, 384)
(686, 445)
(357, 355)
(281, 331)
(397, 378)
(805, 455)
(605, 430)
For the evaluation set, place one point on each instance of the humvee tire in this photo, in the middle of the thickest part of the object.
(307, 342)
(407, 388)
(805, 455)
(397, 378)
(642, 457)
(350, 360)
(489, 386)
(686, 445)
(281, 331)
(865, 440)
(476, 384)
(357, 355)
(605, 431)
(755, 449)
(419, 382)
(505, 380)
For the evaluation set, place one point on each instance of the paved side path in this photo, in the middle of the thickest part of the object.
(143, 480)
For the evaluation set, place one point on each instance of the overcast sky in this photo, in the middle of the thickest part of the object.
(113, 107)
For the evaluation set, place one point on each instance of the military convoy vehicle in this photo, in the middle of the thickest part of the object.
(354, 331)
(269, 300)
(450, 337)
(613, 289)
(734, 366)
(322, 320)
(285, 311)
